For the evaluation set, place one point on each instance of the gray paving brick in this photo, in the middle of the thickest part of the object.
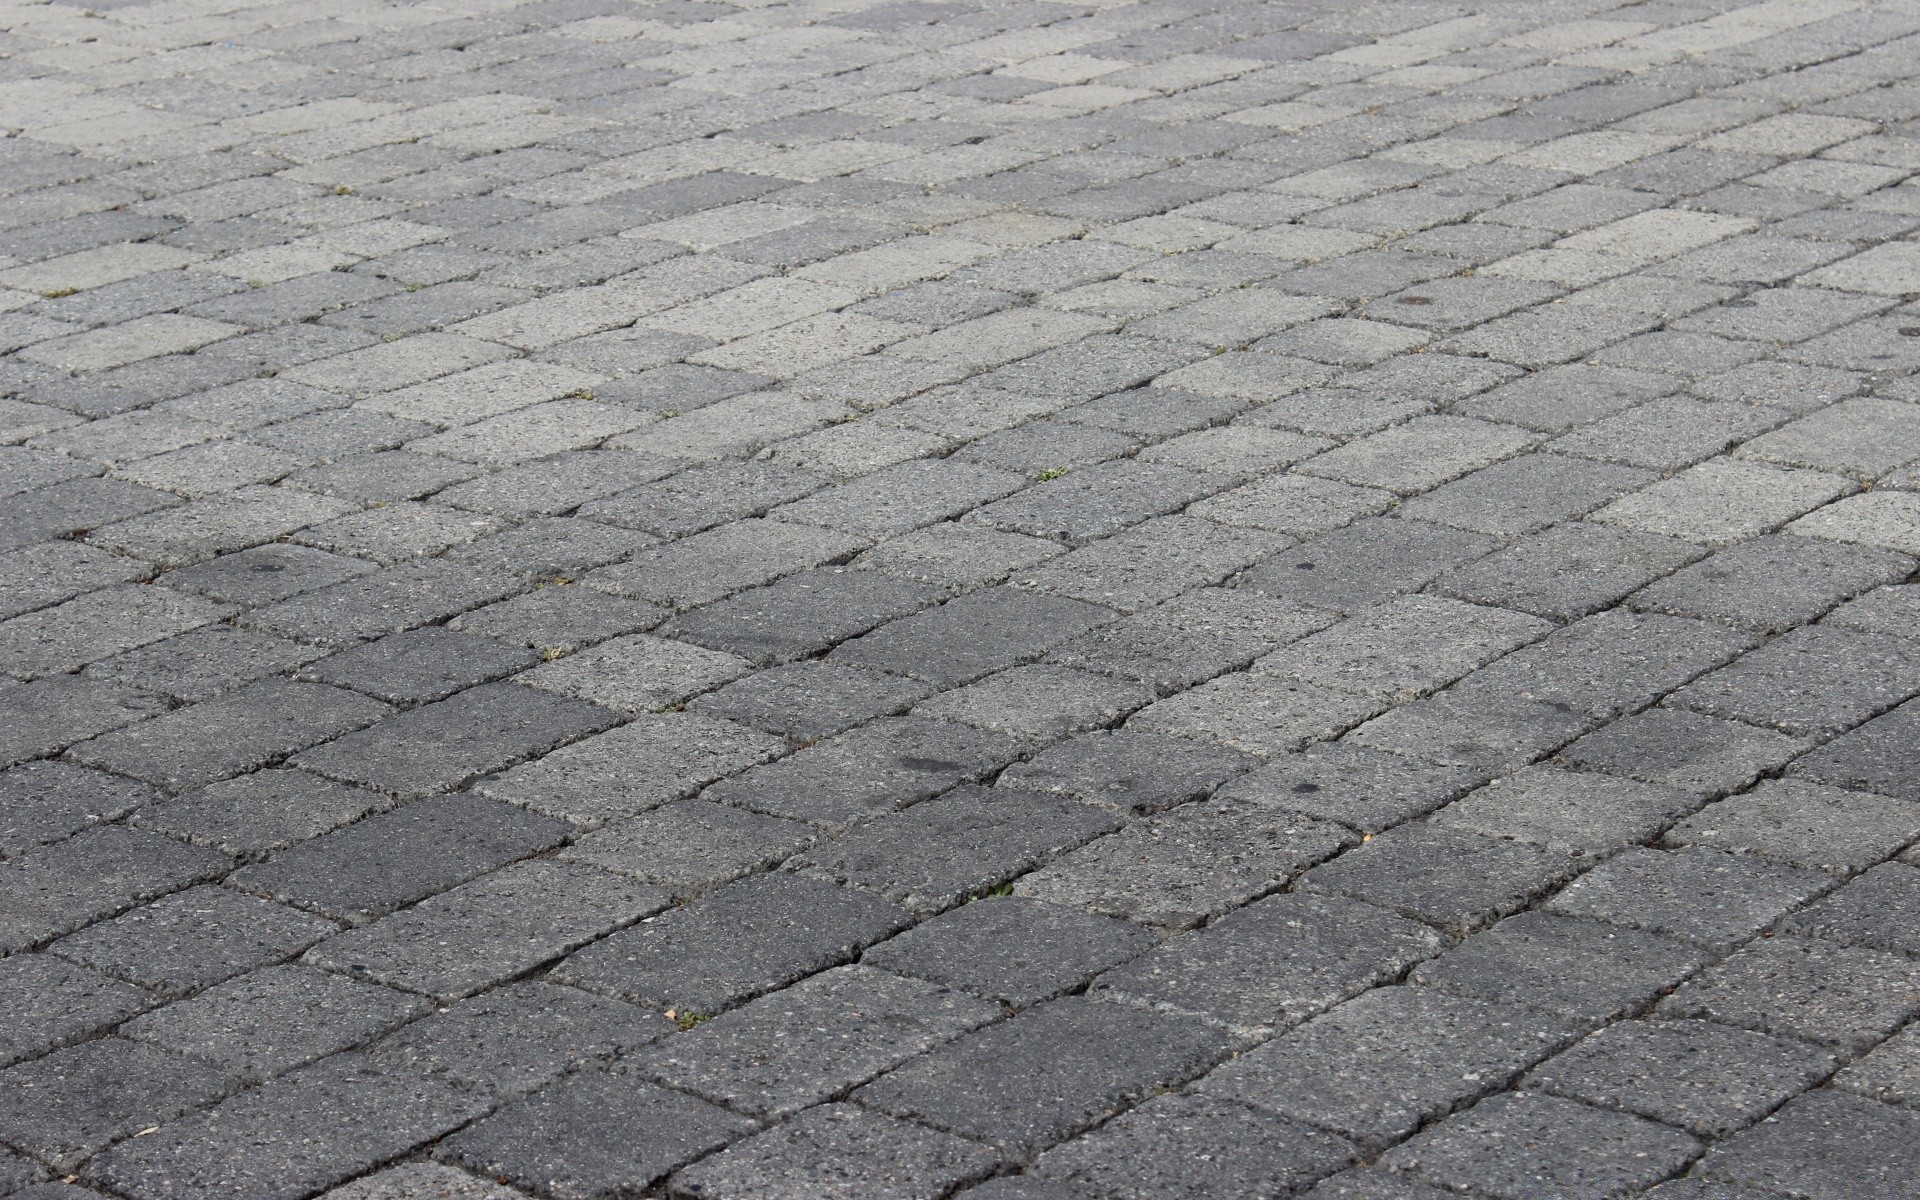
(1413, 869)
(101, 871)
(862, 1022)
(1877, 757)
(1824, 1144)
(1195, 1146)
(1273, 964)
(1700, 894)
(1184, 866)
(1799, 987)
(529, 913)
(49, 715)
(66, 1106)
(1097, 501)
(916, 858)
(514, 1039)
(389, 600)
(641, 765)
(397, 1183)
(43, 802)
(1191, 638)
(1708, 1079)
(193, 938)
(1794, 682)
(1573, 812)
(395, 858)
(1367, 563)
(252, 814)
(802, 615)
(742, 940)
(303, 1132)
(49, 1003)
(807, 701)
(1772, 583)
(712, 565)
(420, 665)
(841, 1147)
(1521, 1144)
(1683, 750)
(443, 745)
(203, 663)
(1581, 970)
(1379, 1066)
(1568, 571)
(266, 574)
(1805, 824)
(1047, 1074)
(1876, 910)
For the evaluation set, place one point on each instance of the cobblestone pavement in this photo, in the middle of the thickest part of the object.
(1029, 600)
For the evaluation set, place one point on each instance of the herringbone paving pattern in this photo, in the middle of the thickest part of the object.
(1029, 600)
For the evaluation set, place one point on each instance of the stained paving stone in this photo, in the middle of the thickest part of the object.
(491, 497)
(1379, 1066)
(1047, 1074)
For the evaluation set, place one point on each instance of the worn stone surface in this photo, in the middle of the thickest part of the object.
(1021, 598)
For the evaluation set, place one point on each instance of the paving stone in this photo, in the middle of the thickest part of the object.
(1181, 867)
(1875, 757)
(1191, 637)
(76, 1101)
(1412, 868)
(1824, 1144)
(1568, 571)
(419, 666)
(1876, 910)
(266, 574)
(1071, 1071)
(99, 872)
(1377, 1067)
(1806, 824)
(1404, 648)
(1798, 987)
(1366, 789)
(361, 1114)
(1194, 1146)
(641, 765)
(1582, 970)
(638, 673)
(559, 618)
(712, 565)
(807, 701)
(204, 663)
(956, 555)
(514, 1039)
(421, 1179)
(861, 1023)
(1578, 813)
(838, 1149)
(742, 940)
(267, 810)
(394, 858)
(1272, 964)
(442, 745)
(531, 913)
(46, 801)
(389, 600)
(1522, 1144)
(1708, 1079)
(802, 615)
(890, 763)
(1096, 501)
(193, 938)
(1010, 949)
(1683, 750)
(50, 1002)
(1772, 583)
(271, 1020)
(1367, 563)
(1890, 1073)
